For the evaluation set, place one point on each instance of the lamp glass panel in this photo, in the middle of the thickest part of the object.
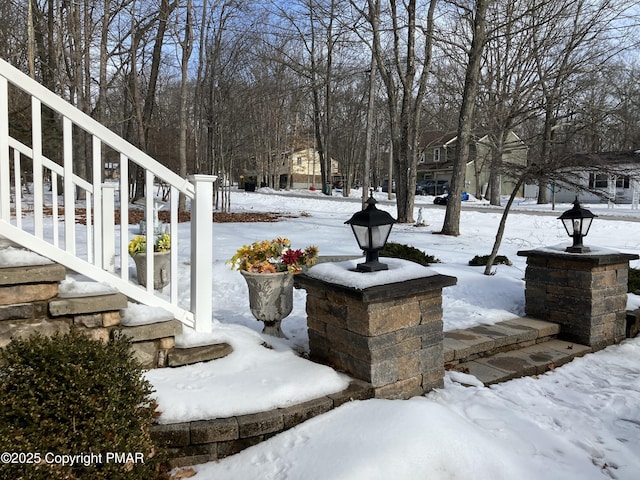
(568, 225)
(586, 224)
(379, 235)
(577, 226)
(362, 235)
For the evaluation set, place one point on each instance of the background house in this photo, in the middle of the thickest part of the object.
(297, 169)
(598, 177)
(304, 169)
(436, 153)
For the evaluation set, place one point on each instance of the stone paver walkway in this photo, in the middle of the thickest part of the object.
(509, 349)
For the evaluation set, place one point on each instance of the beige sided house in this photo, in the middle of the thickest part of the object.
(299, 169)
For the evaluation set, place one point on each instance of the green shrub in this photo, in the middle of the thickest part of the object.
(633, 284)
(406, 252)
(481, 261)
(70, 395)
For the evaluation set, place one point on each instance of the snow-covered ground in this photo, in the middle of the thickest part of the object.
(580, 421)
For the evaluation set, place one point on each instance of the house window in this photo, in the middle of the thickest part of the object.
(436, 155)
(622, 182)
(598, 180)
(299, 160)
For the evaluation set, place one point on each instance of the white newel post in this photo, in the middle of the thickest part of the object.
(108, 227)
(201, 250)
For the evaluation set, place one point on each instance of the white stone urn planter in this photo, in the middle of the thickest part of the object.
(270, 298)
(161, 269)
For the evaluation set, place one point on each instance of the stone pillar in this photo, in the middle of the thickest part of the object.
(586, 293)
(389, 335)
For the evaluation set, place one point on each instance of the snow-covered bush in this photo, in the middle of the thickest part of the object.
(407, 252)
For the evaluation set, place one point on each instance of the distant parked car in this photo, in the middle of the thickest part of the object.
(432, 187)
(442, 199)
(385, 186)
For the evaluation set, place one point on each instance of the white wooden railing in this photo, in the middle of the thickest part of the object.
(46, 222)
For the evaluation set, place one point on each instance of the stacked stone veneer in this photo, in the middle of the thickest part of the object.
(29, 304)
(585, 293)
(389, 336)
(190, 443)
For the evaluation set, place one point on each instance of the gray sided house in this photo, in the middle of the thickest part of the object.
(600, 177)
(437, 150)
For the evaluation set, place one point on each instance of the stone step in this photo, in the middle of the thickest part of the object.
(179, 357)
(532, 360)
(155, 336)
(484, 340)
(151, 331)
(155, 328)
(32, 274)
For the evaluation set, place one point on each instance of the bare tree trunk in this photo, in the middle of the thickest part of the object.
(451, 224)
(328, 107)
(404, 101)
(187, 48)
(366, 169)
(102, 75)
(495, 180)
(545, 154)
(77, 60)
(321, 92)
(477, 168)
(199, 97)
(501, 227)
(51, 72)
(135, 118)
(149, 100)
(31, 47)
(495, 167)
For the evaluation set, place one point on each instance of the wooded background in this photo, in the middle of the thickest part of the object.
(222, 86)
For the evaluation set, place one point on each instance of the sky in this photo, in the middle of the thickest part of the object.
(579, 421)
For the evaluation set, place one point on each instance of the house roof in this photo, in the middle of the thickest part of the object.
(439, 138)
(434, 138)
(604, 158)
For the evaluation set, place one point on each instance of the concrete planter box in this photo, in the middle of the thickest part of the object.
(161, 269)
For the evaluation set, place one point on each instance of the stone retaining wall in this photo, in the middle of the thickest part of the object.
(190, 443)
(29, 304)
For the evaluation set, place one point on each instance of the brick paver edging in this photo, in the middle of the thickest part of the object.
(190, 443)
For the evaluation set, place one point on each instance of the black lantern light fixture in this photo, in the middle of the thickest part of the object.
(576, 222)
(371, 227)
